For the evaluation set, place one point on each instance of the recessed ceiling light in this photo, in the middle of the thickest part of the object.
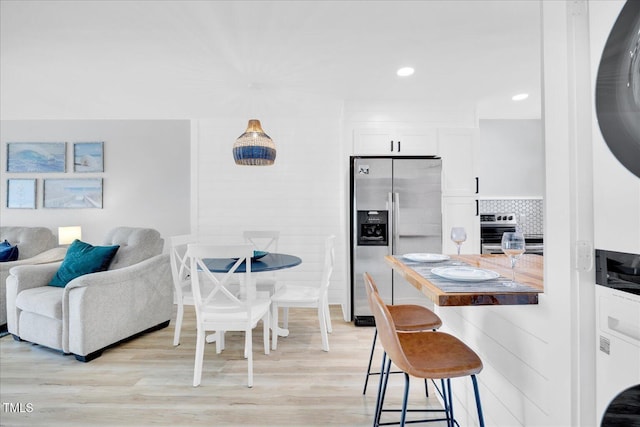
(405, 71)
(520, 96)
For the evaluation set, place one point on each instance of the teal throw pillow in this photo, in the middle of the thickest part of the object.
(83, 258)
(8, 252)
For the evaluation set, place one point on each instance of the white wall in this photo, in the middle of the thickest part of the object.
(301, 195)
(145, 178)
(510, 158)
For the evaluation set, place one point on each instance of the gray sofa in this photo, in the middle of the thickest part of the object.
(36, 245)
(95, 311)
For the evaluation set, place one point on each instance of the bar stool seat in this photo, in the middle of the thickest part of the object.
(426, 355)
(438, 355)
(413, 318)
(407, 318)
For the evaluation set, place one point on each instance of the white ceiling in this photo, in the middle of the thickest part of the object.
(191, 58)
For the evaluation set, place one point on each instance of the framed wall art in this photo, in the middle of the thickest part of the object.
(36, 157)
(88, 157)
(21, 193)
(73, 193)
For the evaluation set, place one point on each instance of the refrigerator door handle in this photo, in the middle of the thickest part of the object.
(392, 220)
(396, 221)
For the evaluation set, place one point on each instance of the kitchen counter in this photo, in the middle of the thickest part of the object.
(529, 276)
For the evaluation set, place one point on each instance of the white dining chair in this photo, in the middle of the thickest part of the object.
(306, 297)
(264, 240)
(181, 274)
(220, 309)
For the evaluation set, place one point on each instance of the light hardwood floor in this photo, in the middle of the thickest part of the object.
(148, 381)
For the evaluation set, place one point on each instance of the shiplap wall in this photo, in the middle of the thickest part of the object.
(302, 194)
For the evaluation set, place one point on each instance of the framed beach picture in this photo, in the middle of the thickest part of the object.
(36, 157)
(88, 157)
(21, 193)
(73, 193)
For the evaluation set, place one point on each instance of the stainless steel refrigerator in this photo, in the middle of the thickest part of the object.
(396, 208)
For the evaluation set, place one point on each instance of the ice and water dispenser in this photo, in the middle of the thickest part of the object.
(373, 228)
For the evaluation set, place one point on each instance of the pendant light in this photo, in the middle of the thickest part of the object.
(254, 147)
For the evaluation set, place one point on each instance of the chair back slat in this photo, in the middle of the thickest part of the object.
(329, 262)
(180, 264)
(198, 253)
(180, 267)
(262, 240)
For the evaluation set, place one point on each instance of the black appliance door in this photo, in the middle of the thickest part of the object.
(618, 88)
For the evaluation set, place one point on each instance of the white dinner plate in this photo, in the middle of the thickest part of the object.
(426, 257)
(465, 274)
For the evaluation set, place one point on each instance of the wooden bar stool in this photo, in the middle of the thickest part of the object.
(407, 318)
(427, 355)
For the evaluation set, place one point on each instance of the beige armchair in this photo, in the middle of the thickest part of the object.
(36, 245)
(97, 310)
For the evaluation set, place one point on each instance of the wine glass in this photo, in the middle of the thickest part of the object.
(458, 235)
(513, 247)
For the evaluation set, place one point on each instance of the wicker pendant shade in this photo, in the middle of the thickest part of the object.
(254, 147)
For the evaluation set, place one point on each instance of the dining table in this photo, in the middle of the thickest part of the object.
(497, 289)
(268, 262)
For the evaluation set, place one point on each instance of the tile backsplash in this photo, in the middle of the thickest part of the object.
(532, 209)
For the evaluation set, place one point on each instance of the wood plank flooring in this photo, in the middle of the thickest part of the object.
(147, 381)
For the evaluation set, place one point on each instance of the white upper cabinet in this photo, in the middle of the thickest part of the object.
(457, 149)
(513, 149)
(395, 142)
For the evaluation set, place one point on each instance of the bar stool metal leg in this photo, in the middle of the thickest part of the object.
(369, 373)
(376, 416)
(405, 399)
(385, 370)
(478, 405)
(451, 419)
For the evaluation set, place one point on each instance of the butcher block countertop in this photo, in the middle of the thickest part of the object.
(444, 292)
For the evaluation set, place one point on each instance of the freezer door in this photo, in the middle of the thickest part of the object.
(372, 185)
(416, 217)
(370, 260)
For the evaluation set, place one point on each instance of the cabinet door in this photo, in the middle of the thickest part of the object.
(373, 142)
(395, 142)
(460, 212)
(417, 143)
(457, 152)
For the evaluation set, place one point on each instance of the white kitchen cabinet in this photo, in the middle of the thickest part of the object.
(459, 188)
(460, 212)
(457, 149)
(395, 142)
(513, 148)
